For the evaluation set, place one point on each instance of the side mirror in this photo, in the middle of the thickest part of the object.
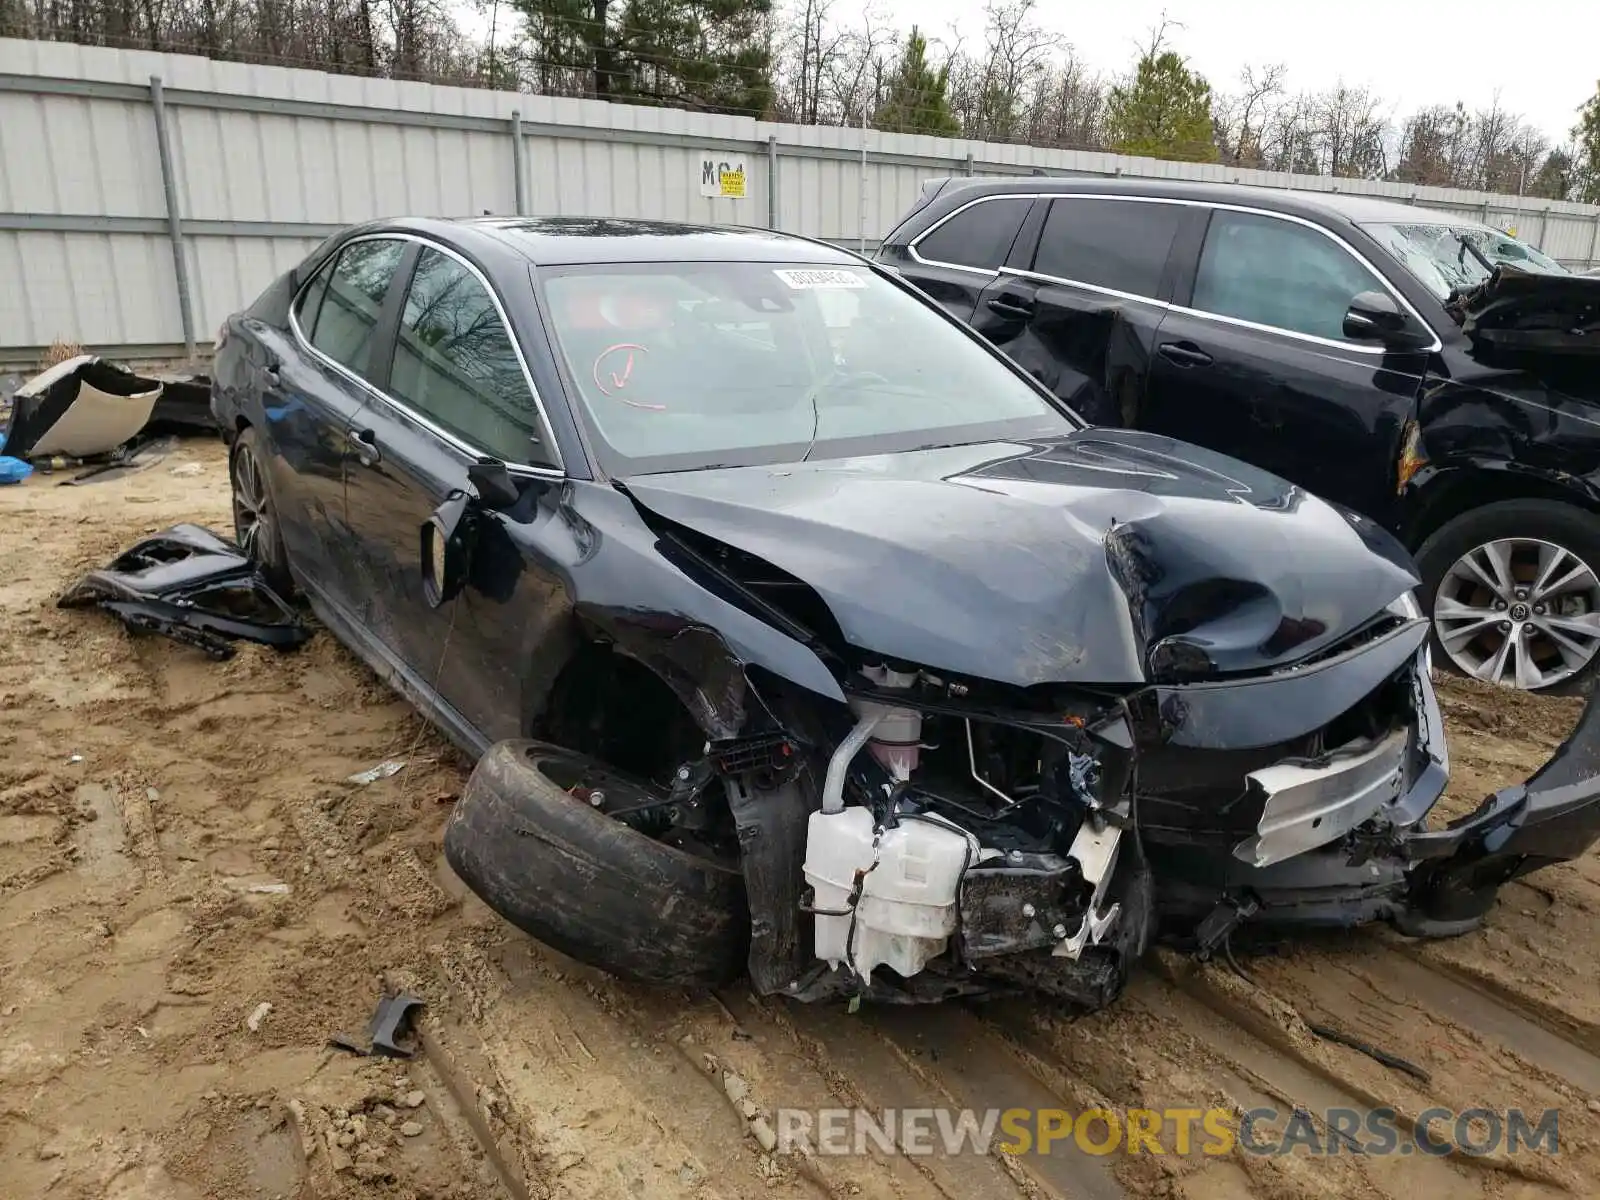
(1375, 317)
(447, 537)
(493, 483)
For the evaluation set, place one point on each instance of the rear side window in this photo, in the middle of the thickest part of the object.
(454, 363)
(310, 302)
(1278, 273)
(979, 236)
(1117, 244)
(352, 299)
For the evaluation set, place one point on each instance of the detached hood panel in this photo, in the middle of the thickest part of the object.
(1522, 314)
(1109, 556)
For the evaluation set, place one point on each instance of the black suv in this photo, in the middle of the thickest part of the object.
(1424, 370)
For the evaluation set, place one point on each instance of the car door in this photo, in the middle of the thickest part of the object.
(455, 391)
(312, 388)
(1252, 360)
(954, 259)
(1081, 309)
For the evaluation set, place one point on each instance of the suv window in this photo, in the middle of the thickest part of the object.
(351, 301)
(1117, 244)
(1278, 273)
(979, 236)
(454, 363)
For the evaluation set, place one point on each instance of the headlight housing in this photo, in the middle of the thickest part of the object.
(1408, 606)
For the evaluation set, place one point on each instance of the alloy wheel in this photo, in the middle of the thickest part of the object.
(1519, 612)
(252, 512)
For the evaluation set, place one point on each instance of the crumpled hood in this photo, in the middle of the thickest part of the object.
(1528, 314)
(1109, 556)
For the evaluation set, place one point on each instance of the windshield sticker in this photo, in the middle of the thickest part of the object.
(813, 277)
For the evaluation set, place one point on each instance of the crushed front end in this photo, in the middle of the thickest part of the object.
(970, 838)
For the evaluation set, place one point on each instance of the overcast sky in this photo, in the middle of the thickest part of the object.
(1543, 56)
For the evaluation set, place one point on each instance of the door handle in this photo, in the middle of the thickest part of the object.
(365, 444)
(1012, 308)
(1184, 354)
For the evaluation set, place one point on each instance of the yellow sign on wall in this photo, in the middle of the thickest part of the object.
(723, 177)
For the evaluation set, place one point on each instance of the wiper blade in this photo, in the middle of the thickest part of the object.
(1466, 245)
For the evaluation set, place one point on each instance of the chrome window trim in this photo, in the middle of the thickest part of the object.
(1358, 347)
(528, 470)
(987, 273)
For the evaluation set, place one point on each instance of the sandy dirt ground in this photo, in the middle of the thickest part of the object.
(180, 848)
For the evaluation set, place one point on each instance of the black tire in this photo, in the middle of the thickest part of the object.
(1574, 529)
(587, 884)
(253, 505)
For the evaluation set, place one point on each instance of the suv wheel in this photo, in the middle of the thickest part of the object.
(1514, 592)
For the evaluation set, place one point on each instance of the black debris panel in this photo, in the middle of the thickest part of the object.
(188, 584)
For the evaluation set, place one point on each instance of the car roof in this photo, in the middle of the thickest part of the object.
(559, 241)
(1359, 209)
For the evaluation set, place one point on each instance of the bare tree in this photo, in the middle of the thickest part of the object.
(988, 94)
(1067, 107)
(1241, 118)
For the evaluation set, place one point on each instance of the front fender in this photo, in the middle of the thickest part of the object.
(622, 587)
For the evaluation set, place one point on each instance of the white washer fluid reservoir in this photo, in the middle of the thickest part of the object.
(909, 874)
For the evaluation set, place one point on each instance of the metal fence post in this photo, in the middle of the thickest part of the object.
(772, 181)
(169, 185)
(861, 214)
(1594, 242)
(969, 164)
(518, 167)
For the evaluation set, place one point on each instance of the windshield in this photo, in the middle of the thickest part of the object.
(1442, 257)
(701, 364)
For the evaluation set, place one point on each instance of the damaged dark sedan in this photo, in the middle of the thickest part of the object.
(796, 631)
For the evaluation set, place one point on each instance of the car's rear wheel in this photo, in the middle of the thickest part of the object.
(532, 836)
(1514, 593)
(255, 517)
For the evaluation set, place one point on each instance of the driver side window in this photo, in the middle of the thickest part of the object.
(1278, 273)
(455, 364)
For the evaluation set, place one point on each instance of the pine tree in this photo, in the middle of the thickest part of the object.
(917, 99)
(1587, 134)
(711, 55)
(1163, 112)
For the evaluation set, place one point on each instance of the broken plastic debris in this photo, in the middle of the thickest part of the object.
(74, 758)
(253, 1021)
(268, 889)
(392, 1015)
(184, 470)
(383, 770)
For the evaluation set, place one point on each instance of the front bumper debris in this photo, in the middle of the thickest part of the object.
(1553, 817)
(1309, 804)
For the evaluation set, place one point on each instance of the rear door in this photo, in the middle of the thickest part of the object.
(454, 391)
(1252, 360)
(310, 398)
(1081, 309)
(960, 254)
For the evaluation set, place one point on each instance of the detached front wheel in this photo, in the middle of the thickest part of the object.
(1514, 593)
(531, 837)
